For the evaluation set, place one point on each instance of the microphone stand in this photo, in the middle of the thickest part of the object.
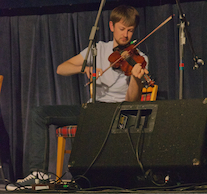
(183, 31)
(182, 41)
(94, 50)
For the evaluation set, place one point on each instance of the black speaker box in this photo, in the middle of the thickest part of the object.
(126, 144)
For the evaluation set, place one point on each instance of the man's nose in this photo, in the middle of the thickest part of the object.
(125, 33)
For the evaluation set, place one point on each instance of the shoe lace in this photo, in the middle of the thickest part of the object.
(29, 177)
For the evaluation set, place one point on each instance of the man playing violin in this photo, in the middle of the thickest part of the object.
(112, 86)
(123, 21)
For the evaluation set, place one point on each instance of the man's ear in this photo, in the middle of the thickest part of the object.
(111, 26)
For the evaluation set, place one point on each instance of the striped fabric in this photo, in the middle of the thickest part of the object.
(146, 97)
(66, 131)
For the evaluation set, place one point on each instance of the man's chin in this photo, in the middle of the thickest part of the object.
(122, 43)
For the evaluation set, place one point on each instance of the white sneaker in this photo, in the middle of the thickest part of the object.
(27, 182)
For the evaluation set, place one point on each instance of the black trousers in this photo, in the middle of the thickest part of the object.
(42, 118)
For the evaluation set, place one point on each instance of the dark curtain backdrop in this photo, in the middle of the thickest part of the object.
(33, 46)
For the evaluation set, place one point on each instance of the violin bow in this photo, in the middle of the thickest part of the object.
(157, 28)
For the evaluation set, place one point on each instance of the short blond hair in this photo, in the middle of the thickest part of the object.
(129, 15)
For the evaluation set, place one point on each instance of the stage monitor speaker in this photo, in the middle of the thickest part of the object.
(126, 144)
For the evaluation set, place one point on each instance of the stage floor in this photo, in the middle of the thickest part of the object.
(180, 190)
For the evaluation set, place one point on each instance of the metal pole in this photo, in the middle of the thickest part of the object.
(182, 41)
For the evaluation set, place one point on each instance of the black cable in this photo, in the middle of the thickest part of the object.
(135, 151)
(148, 174)
(104, 142)
(180, 187)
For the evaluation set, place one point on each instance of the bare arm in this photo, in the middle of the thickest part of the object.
(71, 66)
(134, 91)
(74, 66)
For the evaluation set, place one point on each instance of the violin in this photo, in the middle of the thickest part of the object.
(125, 60)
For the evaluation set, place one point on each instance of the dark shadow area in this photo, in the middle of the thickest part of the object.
(162, 95)
(5, 154)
